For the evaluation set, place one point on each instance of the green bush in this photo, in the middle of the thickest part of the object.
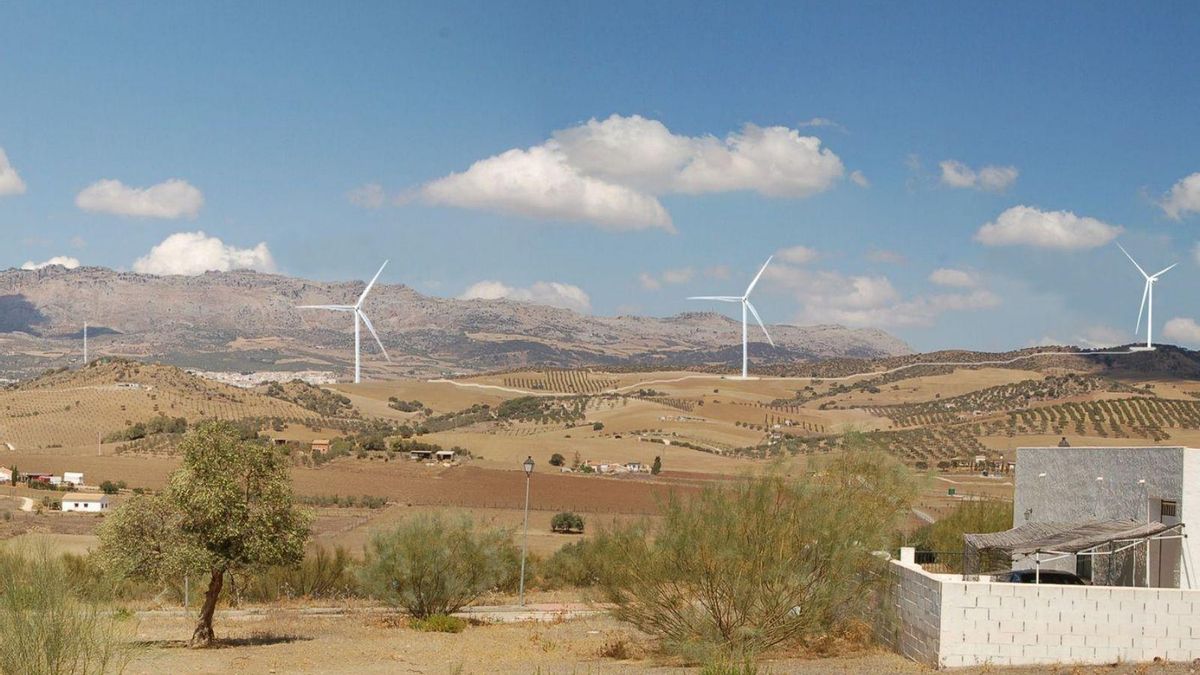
(973, 517)
(323, 574)
(557, 459)
(573, 565)
(430, 566)
(440, 623)
(48, 627)
(765, 560)
(566, 522)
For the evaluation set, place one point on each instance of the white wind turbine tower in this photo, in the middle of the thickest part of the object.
(744, 299)
(359, 315)
(1147, 301)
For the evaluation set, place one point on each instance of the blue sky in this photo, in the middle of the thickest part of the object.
(618, 157)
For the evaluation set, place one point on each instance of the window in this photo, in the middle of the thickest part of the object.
(1169, 509)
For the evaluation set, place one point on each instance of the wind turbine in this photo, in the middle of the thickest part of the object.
(359, 315)
(1147, 301)
(746, 305)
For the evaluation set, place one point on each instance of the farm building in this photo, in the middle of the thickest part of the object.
(420, 455)
(1096, 569)
(85, 502)
(5, 475)
(320, 445)
(72, 477)
(444, 455)
(37, 477)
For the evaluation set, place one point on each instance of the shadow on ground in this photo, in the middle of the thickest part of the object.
(255, 640)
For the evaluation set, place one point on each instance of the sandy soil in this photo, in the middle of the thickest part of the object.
(283, 642)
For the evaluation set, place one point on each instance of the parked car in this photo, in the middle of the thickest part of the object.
(1047, 577)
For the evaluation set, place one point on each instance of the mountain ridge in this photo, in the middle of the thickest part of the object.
(247, 320)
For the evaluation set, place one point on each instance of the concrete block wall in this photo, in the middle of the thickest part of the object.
(918, 606)
(977, 623)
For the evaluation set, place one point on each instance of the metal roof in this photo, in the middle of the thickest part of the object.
(1064, 537)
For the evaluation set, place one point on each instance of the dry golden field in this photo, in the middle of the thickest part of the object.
(52, 422)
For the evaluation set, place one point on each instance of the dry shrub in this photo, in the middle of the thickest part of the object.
(323, 574)
(430, 566)
(758, 563)
(49, 628)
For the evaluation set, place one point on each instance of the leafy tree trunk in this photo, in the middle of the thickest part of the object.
(203, 635)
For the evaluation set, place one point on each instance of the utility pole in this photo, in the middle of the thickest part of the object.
(85, 351)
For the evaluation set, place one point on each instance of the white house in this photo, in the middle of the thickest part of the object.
(5, 475)
(1116, 516)
(1144, 484)
(85, 501)
(73, 477)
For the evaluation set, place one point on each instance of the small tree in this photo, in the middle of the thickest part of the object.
(228, 509)
(656, 467)
(566, 521)
(598, 426)
(427, 566)
(557, 459)
(766, 560)
(109, 488)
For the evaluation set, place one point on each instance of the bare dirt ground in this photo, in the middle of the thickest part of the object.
(284, 641)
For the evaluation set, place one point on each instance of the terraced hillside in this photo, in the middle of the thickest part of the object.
(72, 408)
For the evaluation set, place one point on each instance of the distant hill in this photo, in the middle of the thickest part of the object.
(72, 407)
(246, 321)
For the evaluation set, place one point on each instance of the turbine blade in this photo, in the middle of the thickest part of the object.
(1132, 260)
(1163, 271)
(336, 308)
(757, 277)
(374, 334)
(720, 298)
(368, 288)
(760, 321)
(1141, 309)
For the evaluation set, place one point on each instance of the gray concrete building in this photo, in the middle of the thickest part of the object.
(1145, 484)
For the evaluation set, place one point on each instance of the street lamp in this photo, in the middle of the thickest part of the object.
(528, 466)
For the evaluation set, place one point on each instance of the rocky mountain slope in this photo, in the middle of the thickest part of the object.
(248, 321)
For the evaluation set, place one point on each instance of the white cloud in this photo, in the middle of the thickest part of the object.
(1183, 198)
(1028, 226)
(993, 178)
(191, 253)
(1101, 337)
(951, 277)
(863, 300)
(797, 254)
(885, 256)
(551, 293)
(823, 122)
(649, 281)
(369, 196)
(677, 276)
(718, 272)
(859, 179)
(540, 183)
(1183, 330)
(170, 199)
(610, 172)
(66, 261)
(10, 180)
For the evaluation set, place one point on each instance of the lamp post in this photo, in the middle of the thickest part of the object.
(528, 466)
